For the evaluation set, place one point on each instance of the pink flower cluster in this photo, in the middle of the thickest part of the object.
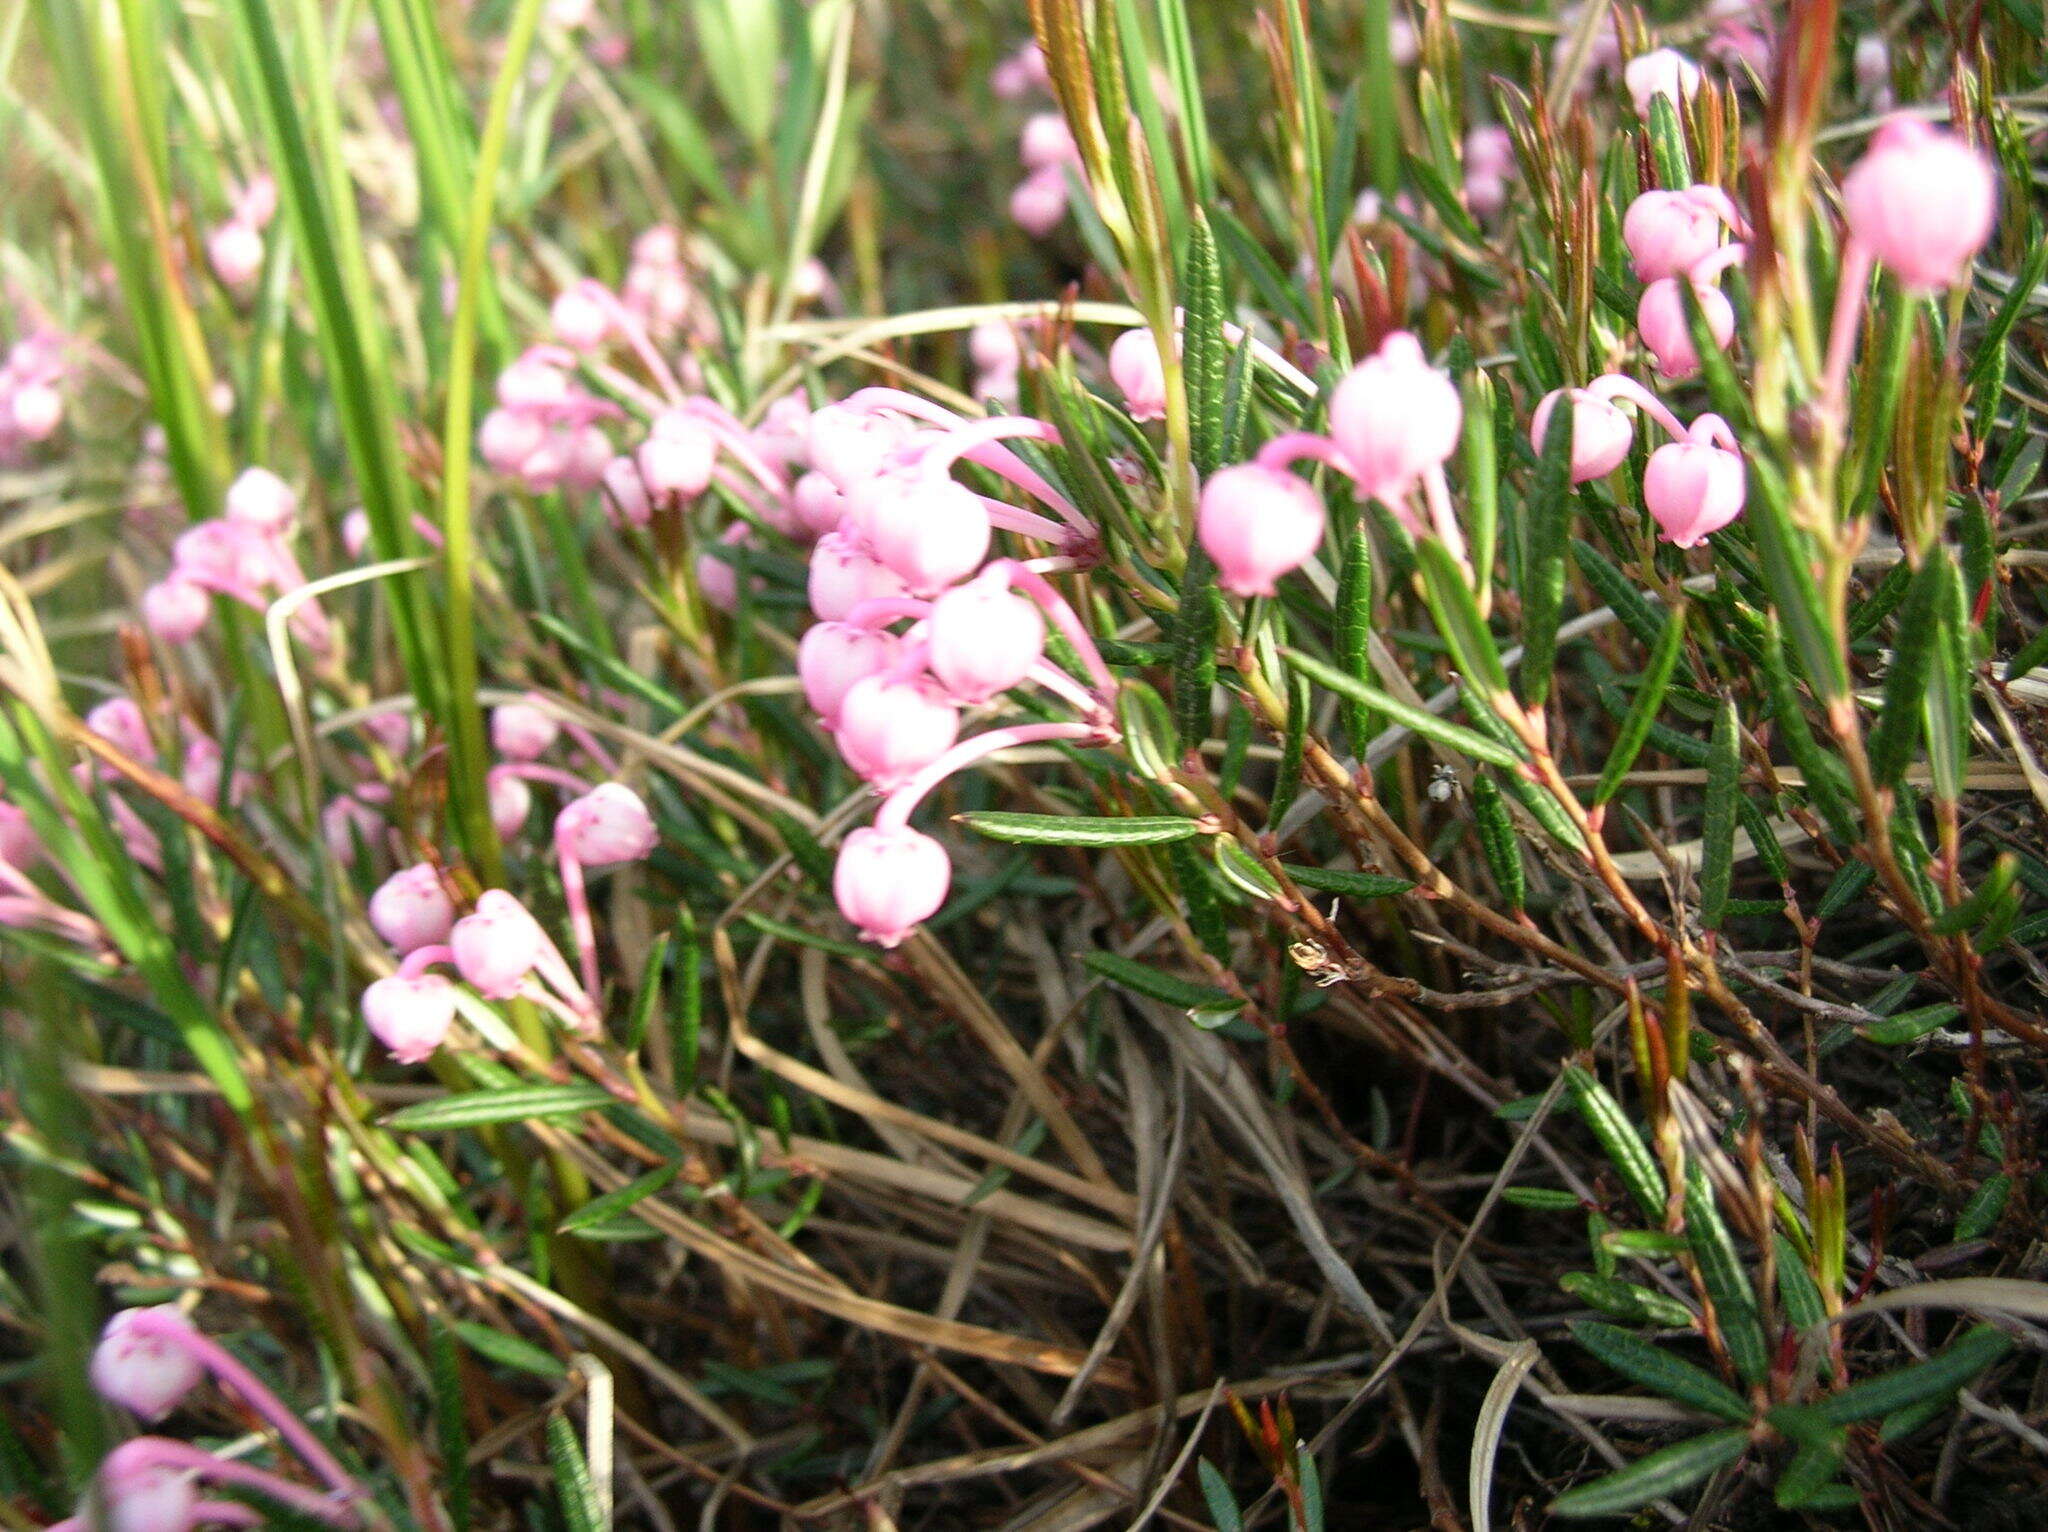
(235, 247)
(31, 407)
(1048, 152)
(1394, 420)
(244, 554)
(544, 431)
(1693, 486)
(1674, 237)
(146, 1362)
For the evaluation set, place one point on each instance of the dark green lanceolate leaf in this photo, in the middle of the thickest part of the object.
(1079, 830)
(508, 1350)
(1717, 841)
(1937, 1377)
(1635, 611)
(1826, 777)
(1635, 728)
(1844, 889)
(1897, 731)
(1663, 1472)
(1142, 979)
(1910, 1026)
(1810, 1474)
(616, 1204)
(518, 1103)
(1482, 476)
(1649, 1364)
(1542, 1199)
(1194, 649)
(1349, 885)
(1450, 735)
(1787, 570)
(1198, 893)
(581, 1510)
(1982, 900)
(1667, 145)
(647, 998)
(1948, 689)
(1725, 1278)
(1498, 841)
(1353, 631)
(2017, 298)
(1981, 1213)
(451, 1428)
(1617, 1135)
(1867, 615)
(1631, 1301)
(1205, 353)
(1456, 609)
(1293, 746)
(1548, 515)
(1217, 1497)
(1797, 1291)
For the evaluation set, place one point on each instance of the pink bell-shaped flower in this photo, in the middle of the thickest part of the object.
(677, 459)
(522, 732)
(1257, 524)
(259, 498)
(1693, 489)
(1601, 433)
(1039, 201)
(37, 409)
(511, 800)
(842, 577)
(355, 532)
(718, 579)
(1922, 201)
(203, 772)
(832, 656)
(140, 1495)
(1660, 321)
(607, 824)
(848, 444)
(410, 909)
(1670, 232)
(890, 728)
(928, 530)
(235, 252)
(1047, 142)
(984, 640)
(1663, 72)
(140, 1365)
(497, 947)
(888, 881)
(628, 493)
(506, 438)
(580, 317)
(817, 505)
(1394, 417)
(176, 610)
(1136, 369)
(411, 1016)
(119, 721)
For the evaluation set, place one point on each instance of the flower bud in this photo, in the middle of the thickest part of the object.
(842, 577)
(1135, 368)
(522, 732)
(119, 721)
(140, 1364)
(832, 656)
(579, 317)
(848, 444)
(1601, 433)
(1669, 232)
(260, 499)
(658, 245)
(205, 771)
(235, 251)
(718, 579)
(355, 532)
(410, 1017)
(1394, 417)
(1922, 202)
(20, 846)
(496, 949)
(537, 379)
(511, 801)
(1039, 202)
(257, 204)
(411, 909)
(984, 640)
(887, 881)
(1257, 524)
(175, 609)
(607, 824)
(890, 729)
(507, 438)
(1664, 72)
(994, 347)
(817, 505)
(1047, 142)
(138, 1494)
(37, 409)
(1660, 321)
(1693, 489)
(928, 530)
(346, 820)
(677, 459)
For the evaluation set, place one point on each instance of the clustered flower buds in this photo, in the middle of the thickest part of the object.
(31, 407)
(544, 431)
(1049, 155)
(244, 554)
(235, 246)
(1693, 486)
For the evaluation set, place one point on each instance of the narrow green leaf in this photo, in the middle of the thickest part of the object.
(581, 1511)
(1667, 145)
(1787, 570)
(1079, 830)
(451, 1428)
(1663, 1472)
(1456, 610)
(1205, 353)
(1724, 789)
(1641, 616)
(1142, 979)
(1548, 534)
(1349, 885)
(1911, 1026)
(1671, 1377)
(1811, 1471)
(1797, 1293)
(1643, 712)
(508, 1350)
(1499, 842)
(1198, 893)
(1725, 1278)
(518, 1103)
(1216, 1495)
(1631, 1301)
(1352, 621)
(1940, 1375)
(1194, 649)
(1981, 1213)
(1618, 1137)
(616, 1204)
(1419, 720)
(1896, 734)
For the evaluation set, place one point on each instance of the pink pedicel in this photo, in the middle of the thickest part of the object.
(832, 656)
(1922, 202)
(608, 824)
(1136, 370)
(1660, 321)
(887, 882)
(1695, 487)
(891, 727)
(1394, 417)
(141, 1367)
(522, 732)
(1670, 232)
(496, 948)
(1256, 524)
(411, 1017)
(984, 640)
(1601, 433)
(410, 909)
